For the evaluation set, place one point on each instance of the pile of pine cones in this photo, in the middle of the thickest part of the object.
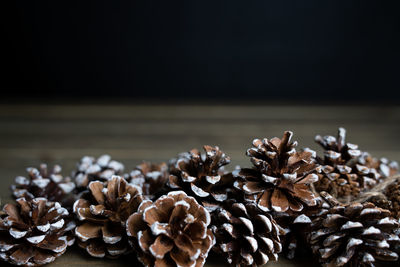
(342, 206)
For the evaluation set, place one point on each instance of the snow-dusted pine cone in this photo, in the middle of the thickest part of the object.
(245, 235)
(281, 177)
(34, 232)
(355, 234)
(346, 171)
(151, 177)
(42, 182)
(91, 169)
(102, 215)
(202, 176)
(172, 231)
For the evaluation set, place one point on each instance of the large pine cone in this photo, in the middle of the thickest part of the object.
(172, 231)
(42, 182)
(92, 169)
(281, 176)
(151, 177)
(245, 235)
(354, 235)
(346, 170)
(103, 213)
(202, 176)
(34, 232)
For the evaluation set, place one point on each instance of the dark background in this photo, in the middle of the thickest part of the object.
(257, 50)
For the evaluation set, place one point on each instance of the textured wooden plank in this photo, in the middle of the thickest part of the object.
(30, 134)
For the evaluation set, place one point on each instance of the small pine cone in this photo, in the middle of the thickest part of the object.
(393, 194)
(42, 182)
(281, 177)
(172, 231)
(103, 214)
(202, 176)
(34, 232)
(245, 235)
(92, 169)
(151, 177)
(345, 171)
(354, 235)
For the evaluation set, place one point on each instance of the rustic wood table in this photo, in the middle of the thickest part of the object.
(31, 134)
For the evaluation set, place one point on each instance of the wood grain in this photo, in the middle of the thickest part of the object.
(30, 134)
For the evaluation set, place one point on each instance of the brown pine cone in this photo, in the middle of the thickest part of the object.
(383, 167)
(92, 169)
(393, 194)
(281, 176)
(202, 176)
(103, 214)
(354, 235)
(151, 177)
(172, 231)
(347, 171)
(245, 235)
(42, 182)
(34, 232)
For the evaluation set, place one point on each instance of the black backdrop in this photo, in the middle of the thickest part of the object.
(323, 50)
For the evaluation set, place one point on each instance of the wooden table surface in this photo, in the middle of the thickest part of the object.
(31, 134)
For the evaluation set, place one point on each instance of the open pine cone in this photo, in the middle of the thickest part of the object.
(172, 231)
(34, 232)
(245, 235)
(347, 171)
(102, 215)
(354, 235)
(42, 182)
(202, 176)
(92, 169)
(150, 177)
(281, 176)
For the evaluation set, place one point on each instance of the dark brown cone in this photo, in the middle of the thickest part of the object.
(42, 182)
(354, 235)
(245, 235)
(172, 231)
(92, 169)
(346, 171)
(393, 194)
(151, 177)
(102, 215)
(202, 176)
(281, 177)
(34, 232)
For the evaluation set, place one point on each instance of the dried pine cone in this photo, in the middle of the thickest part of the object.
(281, 176)
(245, 235)
(383, 167)
(49, 184)
(92, 169)
(346, 171)
(102, 215)
(393, 194)
(150, 177)
(354, 235)
(172, 231)
(202, 176)
(34, 232)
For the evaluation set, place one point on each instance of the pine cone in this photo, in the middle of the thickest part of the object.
(346, 171)
(44, 183)
(354, 235)
(245, 235)
(103, 213)
(383, 167)
(393, 194)
(281, 176)
(202, 176)
(34, 232)
(91, 169)
(150, 177)
(172, 231)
